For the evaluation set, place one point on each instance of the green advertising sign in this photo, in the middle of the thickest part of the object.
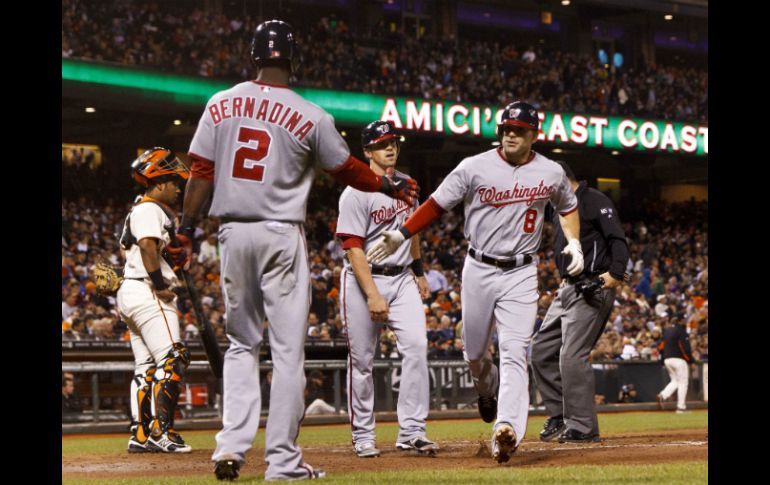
(420, 115)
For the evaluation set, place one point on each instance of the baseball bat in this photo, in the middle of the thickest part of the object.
(207, 335)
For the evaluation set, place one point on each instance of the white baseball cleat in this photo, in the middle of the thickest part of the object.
(504, 443)
(367, 450)
(420, 444)
(167, 444)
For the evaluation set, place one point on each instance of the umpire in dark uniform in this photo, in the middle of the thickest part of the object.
(577, 316)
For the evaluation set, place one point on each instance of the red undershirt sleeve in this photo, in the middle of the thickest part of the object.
(202, 168)
(350, 241)
(357, 174)
(428, 212)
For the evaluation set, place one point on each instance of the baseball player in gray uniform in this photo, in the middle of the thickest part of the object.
(255, 151)
(505, 191)
(384, 294)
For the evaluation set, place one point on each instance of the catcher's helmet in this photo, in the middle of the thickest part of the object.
(274, 40)
(156, 166)
(519, 113)
(378, 131)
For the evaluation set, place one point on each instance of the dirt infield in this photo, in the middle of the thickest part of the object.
(628, 448)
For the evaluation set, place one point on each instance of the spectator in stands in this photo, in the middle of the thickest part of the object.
(313, 328)
(265, 386)
(627, 393)
(70, 400)
(314, 395)
(629, 349)
(209, 250)
(68, 306)
(436, 280)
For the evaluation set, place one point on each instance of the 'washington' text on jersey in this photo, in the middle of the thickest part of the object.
(384, 213)
(267, 110)
(498, 198)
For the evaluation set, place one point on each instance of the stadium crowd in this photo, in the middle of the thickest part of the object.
(668, 267)
(178, 39)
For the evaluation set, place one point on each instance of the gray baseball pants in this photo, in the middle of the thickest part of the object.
(264, 275)
(407, 320)
(560, 352)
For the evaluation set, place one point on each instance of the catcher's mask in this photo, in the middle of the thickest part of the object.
(156, 166)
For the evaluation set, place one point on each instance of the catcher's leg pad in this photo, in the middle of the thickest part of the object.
(168, 384)
(141, 393)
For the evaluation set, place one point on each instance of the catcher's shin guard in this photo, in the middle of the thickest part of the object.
(141, 404)
(168, 381)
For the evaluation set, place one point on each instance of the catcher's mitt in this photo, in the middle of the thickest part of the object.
(107, 278)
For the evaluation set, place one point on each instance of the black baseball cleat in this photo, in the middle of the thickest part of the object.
(552, 428)
(575, 436)
(227, 469)
(488, 408)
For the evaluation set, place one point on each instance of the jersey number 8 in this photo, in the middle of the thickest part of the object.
(243, 164)
(529, 221)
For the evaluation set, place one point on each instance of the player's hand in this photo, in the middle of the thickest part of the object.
(609, 281)
(378, 309)
(399, 187)
(186, 243)
(424, 287)
(165, 295)
(573, 249)
(390, 241)
(178, 255)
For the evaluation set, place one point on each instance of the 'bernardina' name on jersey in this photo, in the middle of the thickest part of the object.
(501, 197)
(268, 110)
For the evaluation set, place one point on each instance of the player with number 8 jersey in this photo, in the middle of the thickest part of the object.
(505, 191)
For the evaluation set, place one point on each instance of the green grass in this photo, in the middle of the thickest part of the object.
(673, 473)
(610, 423)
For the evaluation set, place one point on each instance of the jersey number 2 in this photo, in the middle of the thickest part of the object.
(529, 221)
(243, 169)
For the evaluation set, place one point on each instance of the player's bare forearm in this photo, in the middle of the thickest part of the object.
(363, 274)
(570, 224)
(196, 194)
(148, 248)
(414, 250)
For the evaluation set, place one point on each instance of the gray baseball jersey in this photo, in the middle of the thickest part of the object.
(504, 204)
(366, 215)
(504, 212)
(264, 141)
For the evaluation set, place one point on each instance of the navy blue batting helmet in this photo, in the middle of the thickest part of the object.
(274, 39)
(378, 131)
(519, 113)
